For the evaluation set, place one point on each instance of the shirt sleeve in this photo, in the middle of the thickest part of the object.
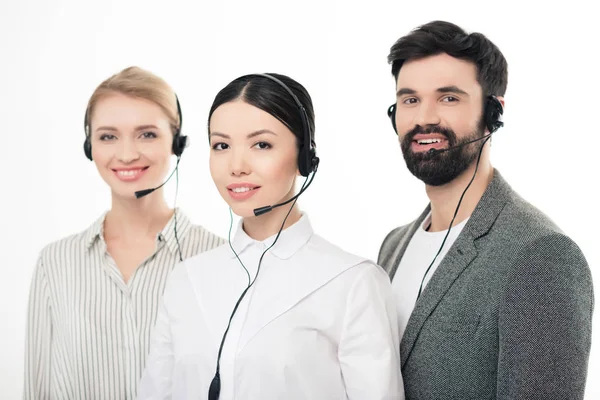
(157, 379)
(369, 347)
(545, 323)
(38, 339)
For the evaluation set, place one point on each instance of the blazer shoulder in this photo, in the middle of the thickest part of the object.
(390, 242)
(555, 255)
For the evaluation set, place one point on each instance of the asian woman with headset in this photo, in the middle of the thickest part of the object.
(278, 312)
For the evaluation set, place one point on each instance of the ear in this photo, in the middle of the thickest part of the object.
(501, 100)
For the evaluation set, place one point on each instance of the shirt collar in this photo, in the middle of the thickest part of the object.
(95, 231)
(167, 234)
(289, 242)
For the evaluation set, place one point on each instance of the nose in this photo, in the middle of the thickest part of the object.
(427, 115)
(238, 165)
(127, 151)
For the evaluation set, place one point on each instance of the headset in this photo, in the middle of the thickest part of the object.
(492, 116)
(308, 163)
(179, 144)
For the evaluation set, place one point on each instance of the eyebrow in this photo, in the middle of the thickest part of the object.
(138, 128)
(249, 136)
(452, 89)
(403, 91)
(444, 89)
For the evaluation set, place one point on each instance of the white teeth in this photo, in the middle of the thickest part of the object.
(429, 141)
(129, 173)
(241, 189)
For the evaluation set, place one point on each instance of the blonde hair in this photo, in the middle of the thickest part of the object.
(138, 83)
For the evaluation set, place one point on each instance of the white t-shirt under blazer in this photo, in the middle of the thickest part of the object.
(318, 323)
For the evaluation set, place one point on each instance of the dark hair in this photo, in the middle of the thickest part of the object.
(271, 97)
(438, 37)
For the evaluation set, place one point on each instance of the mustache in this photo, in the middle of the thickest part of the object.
(447, 132)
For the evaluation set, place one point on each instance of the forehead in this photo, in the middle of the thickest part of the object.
(240, 118)
(118, 108)
(433, 72)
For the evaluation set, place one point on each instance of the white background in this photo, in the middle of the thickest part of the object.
(54, 53)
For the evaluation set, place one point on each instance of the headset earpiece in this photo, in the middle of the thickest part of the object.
(87, 144)
(493, 114)
(179, 144)
(87, 148)
(392, 115)
(308, 161)
(307, 157)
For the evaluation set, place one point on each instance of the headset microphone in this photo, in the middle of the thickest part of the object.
(141, 193)
(437, 151)
(266, 209)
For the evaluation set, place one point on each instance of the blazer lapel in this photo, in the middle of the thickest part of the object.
(403, 244)
(459, 256)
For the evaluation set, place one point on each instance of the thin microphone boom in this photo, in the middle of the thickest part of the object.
(266, 209)
(434, 151)
(142, 193)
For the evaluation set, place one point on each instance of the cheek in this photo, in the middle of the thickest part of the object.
(461, 125)
(160, 151)
(214, 165)
(405, 119)
(218, 166)
(463, 119)
(102, 154)
(158, 155)
(281, 169)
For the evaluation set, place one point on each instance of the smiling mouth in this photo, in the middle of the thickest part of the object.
(129, 174)
(428, 141)
(243, 189)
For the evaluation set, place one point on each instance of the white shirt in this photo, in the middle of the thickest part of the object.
(88, 332)
(318, 323)
(419, 254)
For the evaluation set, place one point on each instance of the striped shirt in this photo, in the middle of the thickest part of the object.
(88, 331)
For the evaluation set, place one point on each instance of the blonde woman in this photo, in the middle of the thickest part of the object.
(95, 294)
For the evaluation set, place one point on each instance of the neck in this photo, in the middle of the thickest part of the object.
(137, 218)
(266, 225)
(445, 198)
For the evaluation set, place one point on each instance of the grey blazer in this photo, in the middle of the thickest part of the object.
(506, 315)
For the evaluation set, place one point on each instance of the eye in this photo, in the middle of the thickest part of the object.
(410, 100)
(149, 135)
(263, 145)
(107, 136)
(450, 99)
(220, 146)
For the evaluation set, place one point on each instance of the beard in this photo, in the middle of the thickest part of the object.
(441, 168)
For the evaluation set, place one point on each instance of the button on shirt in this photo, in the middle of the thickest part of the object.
(318, 323)
(88, 331)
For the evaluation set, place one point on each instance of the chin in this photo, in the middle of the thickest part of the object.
(124, 194)
(128, 191)
(242, 210)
